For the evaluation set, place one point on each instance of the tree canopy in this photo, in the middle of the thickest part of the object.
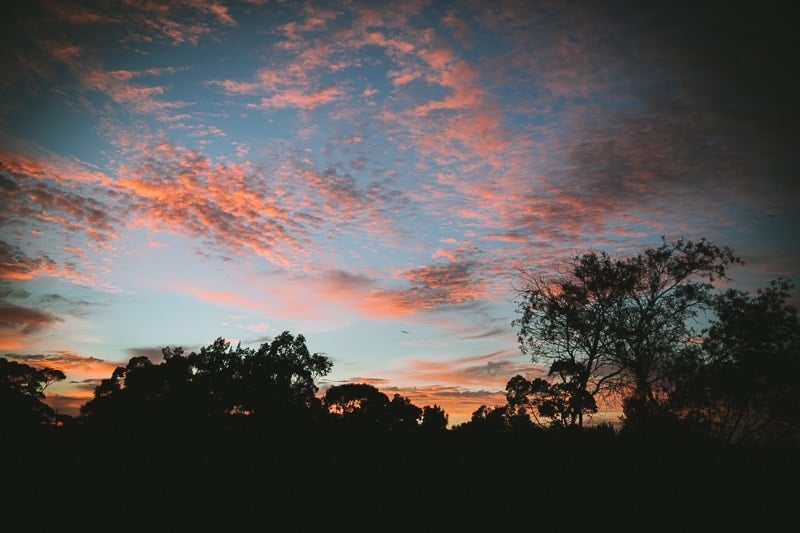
(22, 394)
(274, 382)
(613, 325)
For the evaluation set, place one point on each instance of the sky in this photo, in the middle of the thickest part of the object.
(372, 175)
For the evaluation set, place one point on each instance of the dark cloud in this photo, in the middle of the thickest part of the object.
(87, 384)
(52, 204)
(16, 265)
(258, 340)
(7, 292)
(59, 299)
(720, 115)
(456, 283)
(492, 368)
(25, 320)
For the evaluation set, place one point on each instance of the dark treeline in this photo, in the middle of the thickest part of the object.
(241, 438)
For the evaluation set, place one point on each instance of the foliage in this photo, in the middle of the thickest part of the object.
(743, 384)
(434, 419)
(277, 381)
(560, 401)
(498, 419)
(279, 377)
(363, 406)
(22, 394)
(615, 325)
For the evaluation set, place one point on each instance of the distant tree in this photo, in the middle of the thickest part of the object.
(108, 404)
(402, 416)
(275, 383)
(145, 394)
(497, 419)
(616, 325)
(560, 402)
(363, 406)
(357, 403)
(434, 419)
(22, 394)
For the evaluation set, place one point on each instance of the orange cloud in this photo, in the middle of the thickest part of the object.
(74, 366)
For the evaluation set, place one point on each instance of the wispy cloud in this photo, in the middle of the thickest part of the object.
(180, 21)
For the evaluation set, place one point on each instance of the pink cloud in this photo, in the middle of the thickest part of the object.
(514, 238)
(490, 371)
(117, 86)
(428, 288)
(221, 12)
(294, 98)
(15, 265)
(221, 297)
(404, 77)
(317, 18)
(53, 167)
(179, 190)
(438, 58)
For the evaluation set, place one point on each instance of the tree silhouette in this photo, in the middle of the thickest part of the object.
(434, 419)
(559, 402)
(743, 383)
(359, 404)
(617, 325)
(275, 383)
(278, 379)
(22, 394)
(402, 416)
(497, 419)
(364, 407)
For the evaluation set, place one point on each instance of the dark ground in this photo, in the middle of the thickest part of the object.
(240, 481)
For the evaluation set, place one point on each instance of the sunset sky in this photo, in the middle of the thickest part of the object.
(372, 175)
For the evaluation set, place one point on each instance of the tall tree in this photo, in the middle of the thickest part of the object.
(616, 324)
